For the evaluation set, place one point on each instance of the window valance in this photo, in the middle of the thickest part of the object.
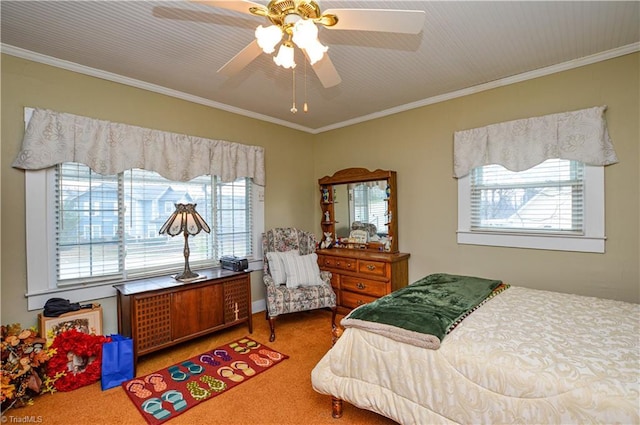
(109, 148)
(521, 144)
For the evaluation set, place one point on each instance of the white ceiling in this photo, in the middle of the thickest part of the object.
(175, 47)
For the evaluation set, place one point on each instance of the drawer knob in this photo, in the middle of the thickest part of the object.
(370, 267)
(360, 302)
(361, 285)
(348, 264)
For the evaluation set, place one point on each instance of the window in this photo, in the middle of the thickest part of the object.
(370, 206)
(545, 198)
(93, 230)
(557, 205)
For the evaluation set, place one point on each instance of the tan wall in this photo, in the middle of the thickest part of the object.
(418, 144)
(289, 195)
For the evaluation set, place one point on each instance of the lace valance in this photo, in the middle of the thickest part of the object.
(109, 148)
(521, 144)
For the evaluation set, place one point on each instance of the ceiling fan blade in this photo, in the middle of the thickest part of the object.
(383, 20)
(242, 59)
(326, 72)
(238, 5)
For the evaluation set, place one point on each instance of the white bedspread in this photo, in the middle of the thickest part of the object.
(525, 357)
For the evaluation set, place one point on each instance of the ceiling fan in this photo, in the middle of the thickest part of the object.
(295, 23)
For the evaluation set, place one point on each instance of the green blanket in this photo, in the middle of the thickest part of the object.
(425, 311)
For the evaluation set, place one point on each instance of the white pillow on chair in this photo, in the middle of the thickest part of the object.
(276, 265)
(302, 270)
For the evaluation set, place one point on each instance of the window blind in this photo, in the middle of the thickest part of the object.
(87, 225)
(233, 214)
(547, 198)
(370, 206)
(107, 227)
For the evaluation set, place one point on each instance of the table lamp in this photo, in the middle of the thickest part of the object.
(185, 219)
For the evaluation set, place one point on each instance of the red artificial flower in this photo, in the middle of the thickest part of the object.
(77, 360)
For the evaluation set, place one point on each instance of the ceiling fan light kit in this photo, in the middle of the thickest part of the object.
(285, 56)
(268, 37)
(295, 18)
(296, 21)
(305, 35)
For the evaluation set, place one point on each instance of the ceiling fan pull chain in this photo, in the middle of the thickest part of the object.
(293, 97)
(305, 108)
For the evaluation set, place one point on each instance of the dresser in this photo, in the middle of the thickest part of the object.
(359, 276)
(160, 312)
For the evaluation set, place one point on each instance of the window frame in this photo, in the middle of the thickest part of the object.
(41, 240)
(41, 243)
(593, 239)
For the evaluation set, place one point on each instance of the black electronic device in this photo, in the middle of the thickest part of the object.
(234, 263)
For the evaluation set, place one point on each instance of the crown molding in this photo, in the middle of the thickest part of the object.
(116, 78)
(553, 69)
(71, 66)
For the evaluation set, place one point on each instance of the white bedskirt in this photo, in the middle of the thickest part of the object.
(525, 357)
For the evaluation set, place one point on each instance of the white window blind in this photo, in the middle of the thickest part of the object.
(547, 198)
(234, 216)
(370, 206)
(107, 227)
(88, 245)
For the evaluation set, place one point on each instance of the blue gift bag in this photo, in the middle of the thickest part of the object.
(117, 361)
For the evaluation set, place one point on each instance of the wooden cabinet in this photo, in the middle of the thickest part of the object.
(360, 213)
(360, 276)
(160, 312)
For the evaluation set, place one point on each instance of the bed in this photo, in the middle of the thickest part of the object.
(521, 356)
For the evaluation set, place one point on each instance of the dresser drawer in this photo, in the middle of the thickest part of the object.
(374, 268)
(339, 263)
(335, 280)
(363, 286)
(353, 300)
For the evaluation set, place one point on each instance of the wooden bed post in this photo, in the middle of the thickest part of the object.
(336, 403)
(336, 408)
(336, 332)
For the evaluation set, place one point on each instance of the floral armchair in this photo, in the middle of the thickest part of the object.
(287, 293)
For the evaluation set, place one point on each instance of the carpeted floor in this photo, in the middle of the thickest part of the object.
(282, 396)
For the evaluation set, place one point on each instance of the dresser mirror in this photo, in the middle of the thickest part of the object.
(359, 210)
(361, 206)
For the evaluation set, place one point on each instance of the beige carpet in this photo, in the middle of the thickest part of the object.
(282, 396)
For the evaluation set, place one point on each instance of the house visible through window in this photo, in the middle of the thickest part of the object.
(545, 198)
(86, 231)
(107, 226)
(557, 205)
(370, 206)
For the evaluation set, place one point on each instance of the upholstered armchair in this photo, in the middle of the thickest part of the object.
(291, 274)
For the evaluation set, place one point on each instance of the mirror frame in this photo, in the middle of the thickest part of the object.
(357, 175)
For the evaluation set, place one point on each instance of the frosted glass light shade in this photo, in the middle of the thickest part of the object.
(305, 32)
(305, 35)
(268, 37)
(285, 56)
(315, 51)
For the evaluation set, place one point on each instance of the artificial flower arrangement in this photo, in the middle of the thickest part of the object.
(30, 366)
(76, 360)
(24, 357)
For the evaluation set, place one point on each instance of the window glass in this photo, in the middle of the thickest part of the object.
(544, 198)
(234, 218)
(556, 205)
(107, 226)
(370, 206)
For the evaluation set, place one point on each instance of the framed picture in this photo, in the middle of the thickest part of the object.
(358, 236)
(88, 320)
